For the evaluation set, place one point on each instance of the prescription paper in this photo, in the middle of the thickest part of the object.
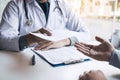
(58, 35)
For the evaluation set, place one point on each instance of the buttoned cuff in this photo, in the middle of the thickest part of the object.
(22, 43)
(73, 40)
(115, 59)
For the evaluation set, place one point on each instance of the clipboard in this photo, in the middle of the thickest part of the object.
(70, 56)
(61, 56)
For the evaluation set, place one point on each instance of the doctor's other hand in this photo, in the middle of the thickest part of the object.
(53, 45)
(44, 31)
(93, 75)
(100, 52)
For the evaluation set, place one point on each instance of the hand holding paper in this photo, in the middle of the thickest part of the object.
(32, 39)
(44, 31)
(57, 40)
(53, 44)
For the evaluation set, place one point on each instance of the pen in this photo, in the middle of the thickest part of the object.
(86, 59)
(33, 60)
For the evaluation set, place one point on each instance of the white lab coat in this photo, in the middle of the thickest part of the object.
(13, 24)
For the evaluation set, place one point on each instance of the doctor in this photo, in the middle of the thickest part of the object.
(21, 17)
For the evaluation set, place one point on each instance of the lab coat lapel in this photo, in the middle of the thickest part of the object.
(42, 15)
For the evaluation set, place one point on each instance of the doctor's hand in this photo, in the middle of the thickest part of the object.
(52, 45)
(44, 31)
(93, 75)
(100, 52)
(31, 39)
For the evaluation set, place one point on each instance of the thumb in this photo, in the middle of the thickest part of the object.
(46, 31)
(99, 39)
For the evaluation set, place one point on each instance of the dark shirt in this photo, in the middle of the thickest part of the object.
(45, 7)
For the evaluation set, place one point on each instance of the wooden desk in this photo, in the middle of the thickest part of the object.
(15, 66)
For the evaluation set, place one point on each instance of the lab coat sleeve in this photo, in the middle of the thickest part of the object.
(9, 34)
(74, 23)
(115, 59)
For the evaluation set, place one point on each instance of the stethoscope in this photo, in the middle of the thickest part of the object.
(58, 7)
(29, 21)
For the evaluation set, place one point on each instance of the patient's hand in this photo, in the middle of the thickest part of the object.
(93, 75)
(100, 52)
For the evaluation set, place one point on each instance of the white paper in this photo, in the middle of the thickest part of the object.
(61, 55)
(57, 35)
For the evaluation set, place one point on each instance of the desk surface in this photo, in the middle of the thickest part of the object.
(16, 66)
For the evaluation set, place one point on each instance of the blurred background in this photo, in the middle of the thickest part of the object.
(101, 17)
(103, 9)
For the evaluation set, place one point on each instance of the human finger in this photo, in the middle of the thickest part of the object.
(94, 72)
(99, 39)
(48, 47)
(88, 52)
(82, 45)
(91, 71)
(45, 31)
(84, 76)
(82, 49)
(43, 46)
(85, 73)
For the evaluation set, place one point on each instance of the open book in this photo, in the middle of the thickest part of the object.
(60, 56)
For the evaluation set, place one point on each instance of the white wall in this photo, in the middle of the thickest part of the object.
(3, 3)
(101, 27)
